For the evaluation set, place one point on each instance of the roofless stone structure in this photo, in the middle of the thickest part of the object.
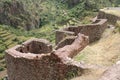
(93, 30)
(35, 59)
(112, 14)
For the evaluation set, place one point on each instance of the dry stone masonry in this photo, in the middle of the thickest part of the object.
(36, 59)
(111, 14)
(94, 30)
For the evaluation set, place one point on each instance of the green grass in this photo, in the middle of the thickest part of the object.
(83, 55)
(8, 40)
(1, 68)
(80, 57)
(1, 56)
(118, 25)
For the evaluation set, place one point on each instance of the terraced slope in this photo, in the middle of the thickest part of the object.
(7, 40)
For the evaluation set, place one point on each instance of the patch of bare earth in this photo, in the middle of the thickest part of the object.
(102, 54)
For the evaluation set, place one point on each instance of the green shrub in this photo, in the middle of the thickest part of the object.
(1, 69)
(118, 25)
(2, 48)
(1, 41)
(15, 39)
(1, 55)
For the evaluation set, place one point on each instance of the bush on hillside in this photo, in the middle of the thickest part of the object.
(13, 13)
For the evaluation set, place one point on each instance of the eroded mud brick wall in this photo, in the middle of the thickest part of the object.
(94, 30)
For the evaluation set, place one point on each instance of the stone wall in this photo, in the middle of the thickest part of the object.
(112, 19)
(66, 41)
(61, 34)
(36, 46)
(35, 60)
(94, 30)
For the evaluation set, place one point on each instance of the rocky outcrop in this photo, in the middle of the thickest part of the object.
(13, 13)
(35, 60)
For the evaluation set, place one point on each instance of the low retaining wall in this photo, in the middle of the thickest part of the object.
(35, 60)
(94, 30)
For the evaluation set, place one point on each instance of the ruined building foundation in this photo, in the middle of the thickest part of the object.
(94, 30)
(36, 59)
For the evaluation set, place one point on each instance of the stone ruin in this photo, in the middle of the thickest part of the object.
(94, 30)
(112, 18)
(36, 59)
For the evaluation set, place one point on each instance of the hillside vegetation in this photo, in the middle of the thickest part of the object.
(30, 14)
(23, 19)
(102, 54)
(13, 13)
(8, 40)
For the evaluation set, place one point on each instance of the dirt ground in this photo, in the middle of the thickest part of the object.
(103, 53)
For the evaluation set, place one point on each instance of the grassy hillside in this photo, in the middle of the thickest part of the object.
(101, 55)
(52, 15)
(42, 12)
(7, 40)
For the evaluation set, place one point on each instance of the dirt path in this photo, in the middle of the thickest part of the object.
(105, 52)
